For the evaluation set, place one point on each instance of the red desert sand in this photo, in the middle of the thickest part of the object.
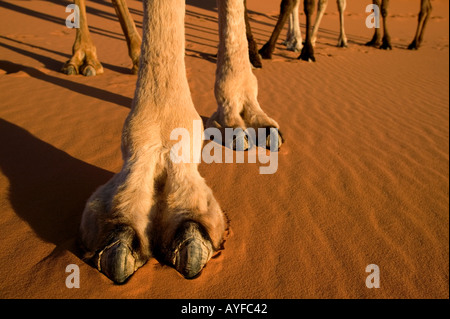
(362, 179)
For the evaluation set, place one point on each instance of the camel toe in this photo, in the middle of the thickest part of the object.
(117, 262)
(192, 251)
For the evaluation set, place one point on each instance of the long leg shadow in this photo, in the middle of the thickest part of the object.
(203, 4)
(201, 55)
(202, 17)
(59, 21)
(100, 94)
(108, 4)
(89, 9)
(48, 188)
(53, 63)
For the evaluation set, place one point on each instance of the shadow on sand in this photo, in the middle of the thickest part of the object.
(48, 188)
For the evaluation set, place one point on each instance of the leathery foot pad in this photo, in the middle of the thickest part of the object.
(192, 249)
(274, 139)
(117, 261)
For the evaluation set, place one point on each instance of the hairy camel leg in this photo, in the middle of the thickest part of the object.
(294, 41)
(189, 225)
(153, 204)
(321, 8)
(286, 8)
(386, 42)
(84, 54)
(308, 50)
(131, 34)
(114, 224)
(255, 58)
(236, 87)
(376, 39)
(342, 42)
(424, 15)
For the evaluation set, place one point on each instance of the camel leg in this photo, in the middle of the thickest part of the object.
(131, 34)
(155, 205)
(386, 43)
(376, 39)
(321, 8)
(342, 42)
(286, 8)
(294, 41)
(427, 8)
(236, 86)
(191, 224)
(308, 50)
(255, 58)
(290, 28)
(424, 15)
(113, 230)
(84, 54)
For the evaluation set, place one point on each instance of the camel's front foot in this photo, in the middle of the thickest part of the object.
(255, 60)
(414, 45)
(192, 249)
(84, 61)
(307, 53)
(135, 53)
(135, 67)
(274, 139)
(293, 45)
(269, 137)
(386, 45)
(375, 42)
(342, 42)
(117, 260)
(265, 131)
(266, 51)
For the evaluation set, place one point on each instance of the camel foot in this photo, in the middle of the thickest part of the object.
(293, 45)
(89, 70)
(244, 141)
(266, 52)
(386, 45)
(373, 43)
(135, 68)
(240, 142)
(117, 260)
(84, 61)
(274, 139)
(192, 250)
(342, 43)
(70, 69)
(255, 59)
(307, 54)
(414, 46)
(135, 58)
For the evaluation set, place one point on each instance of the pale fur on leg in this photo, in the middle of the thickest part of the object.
(236, 87)
(321, 8)
(151, 194)
(342, 42)
(294, 40)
